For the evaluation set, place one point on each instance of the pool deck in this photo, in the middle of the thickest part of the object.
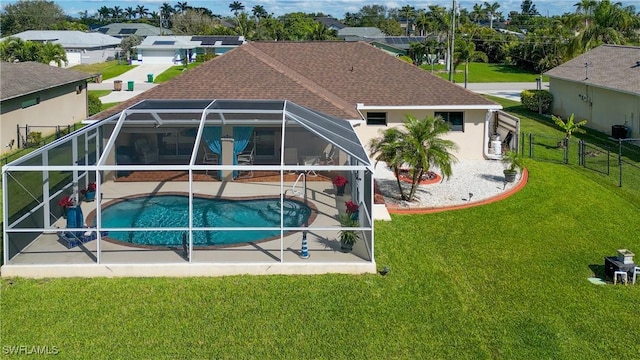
(48, 257)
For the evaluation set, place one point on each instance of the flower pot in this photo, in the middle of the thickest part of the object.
(64, 212)
(340, 190)
(89, 196)
(510, 176)
(346, 247)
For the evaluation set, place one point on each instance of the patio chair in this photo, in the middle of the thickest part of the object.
(146, 153)
(209, 158)
(246, 159)
(331, 155)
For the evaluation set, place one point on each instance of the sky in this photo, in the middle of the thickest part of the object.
(336, 8)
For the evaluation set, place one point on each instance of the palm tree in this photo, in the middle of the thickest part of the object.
(236, 7)
(181, 7)
(116, 13)
(142, 11)
(492, 11)
(477, 14)
(586, 8)
(569, 126)
(130, 12)
(103, 13)
(419, 145)
(466, 52)
(166, 10)
(610, 21)
(259, 12)
(441, 24)
(320, 32)
(49, 52)
(409, 12)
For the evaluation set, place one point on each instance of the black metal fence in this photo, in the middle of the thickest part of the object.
(617, 159)
(30, 138)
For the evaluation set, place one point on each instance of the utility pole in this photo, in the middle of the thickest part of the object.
(451, 45)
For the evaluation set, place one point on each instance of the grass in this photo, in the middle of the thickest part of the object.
(484, 72)
(509, 280)
(173, 72)
(506, 280)
(106, 106)
(109, 69)
(100, 93)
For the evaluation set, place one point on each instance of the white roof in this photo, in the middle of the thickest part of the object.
(168, 42)
(70, 38)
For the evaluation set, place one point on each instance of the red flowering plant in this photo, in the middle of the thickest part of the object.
(65, 202)
(90, 188)
(352, 207)
(340, 181)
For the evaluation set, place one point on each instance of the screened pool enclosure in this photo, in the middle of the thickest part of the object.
(199, 187)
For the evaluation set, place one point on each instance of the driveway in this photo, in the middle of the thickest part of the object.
(506, 90)
(139, 77)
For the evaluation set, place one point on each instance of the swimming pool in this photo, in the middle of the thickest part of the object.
(173, 211)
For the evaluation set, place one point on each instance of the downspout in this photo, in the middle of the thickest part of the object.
(487, 155)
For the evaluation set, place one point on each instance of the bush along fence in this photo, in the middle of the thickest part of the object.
(616, 158)
(30, 138)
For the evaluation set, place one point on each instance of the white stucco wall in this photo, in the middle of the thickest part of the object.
(602, 108)
(470, 142)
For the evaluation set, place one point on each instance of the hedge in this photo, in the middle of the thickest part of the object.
(531, 100)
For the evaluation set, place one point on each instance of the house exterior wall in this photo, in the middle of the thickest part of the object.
(58, 106)
(602, 108)
(470, 142)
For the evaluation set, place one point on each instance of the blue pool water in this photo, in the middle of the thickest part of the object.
(173, 211)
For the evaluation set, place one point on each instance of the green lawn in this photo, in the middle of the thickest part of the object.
(100, 93)
(173, 72)
(483, 72)
(506, 280)
(109, 69)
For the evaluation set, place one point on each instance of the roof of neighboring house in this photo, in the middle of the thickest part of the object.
(168, 42)
(398, 42)
(332, 77)
(360, 31)
(24, 78)
(615, 67)
(330, 22)
(126, 29)
(70, 39)
(190, 42)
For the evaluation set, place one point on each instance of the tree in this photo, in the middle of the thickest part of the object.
(610, 22)
(181, 7)
(236, 7)
(409, 13)
(104, 13)
(477, 14)
(466, 52)
(586, 8)
(14, 49)
(30, 15)
(142, 11)
(259, 12)
(130, 12)
(419, 145)
(193, 22)
(492, 12)
(321, 32)
(50, 52)
(127, 44)
(116, 13)
(569, 126)
(528, 8)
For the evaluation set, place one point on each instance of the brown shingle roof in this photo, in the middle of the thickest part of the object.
(331, 77)
(28, 77)
(610, 66)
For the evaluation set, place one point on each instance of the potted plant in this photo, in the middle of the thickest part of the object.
(90, 192)
(352, 209)
(65, 203)
(513, 162)
(348, 237)
(340, 182)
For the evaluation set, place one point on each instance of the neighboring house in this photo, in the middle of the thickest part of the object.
(395, 45)
(330, 23)
(172, 49)
(601, 86)
(122, 30)
(349, 80)
(81, 47)
(357, 33)
(40, 96)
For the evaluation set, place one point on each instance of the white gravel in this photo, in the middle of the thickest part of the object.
(472, 181)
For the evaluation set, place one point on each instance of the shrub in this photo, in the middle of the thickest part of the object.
(531, 98)
(95, 105)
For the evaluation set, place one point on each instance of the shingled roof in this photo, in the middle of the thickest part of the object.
(330, 77)
(609, 66)
(28, 77)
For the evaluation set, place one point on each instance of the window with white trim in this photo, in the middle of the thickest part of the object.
(376, 118)
(455, 119)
